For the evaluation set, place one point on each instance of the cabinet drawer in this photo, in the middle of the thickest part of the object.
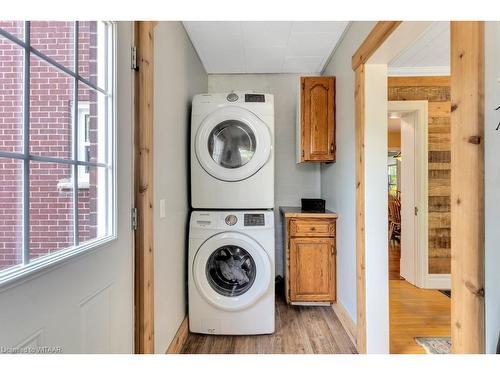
(312, 227)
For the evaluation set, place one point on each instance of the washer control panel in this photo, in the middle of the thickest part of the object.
(232, 220)
(254, 220)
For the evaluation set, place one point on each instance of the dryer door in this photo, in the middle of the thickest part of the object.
(232, 271)
(232, 144)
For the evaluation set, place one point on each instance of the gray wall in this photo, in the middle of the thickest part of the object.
(338, 179)
(492, 184)
(179, 75)
(292, 181)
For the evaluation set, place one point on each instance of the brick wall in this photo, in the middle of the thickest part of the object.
(51, 116)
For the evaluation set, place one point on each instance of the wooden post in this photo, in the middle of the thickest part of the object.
(359, 95)
(467, 186)
(143, 150)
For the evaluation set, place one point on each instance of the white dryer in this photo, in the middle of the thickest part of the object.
(231, 272)
(232, 141)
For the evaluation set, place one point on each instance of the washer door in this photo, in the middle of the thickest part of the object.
(231, 271)
(232, 144)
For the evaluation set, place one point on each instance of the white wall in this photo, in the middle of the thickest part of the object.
(492, 184)
(179, 75)
(338, 179)
(376, 254)
(292, 181)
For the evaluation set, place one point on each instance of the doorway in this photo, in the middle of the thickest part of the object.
(419, 316)
(386, 40)
(407, 189)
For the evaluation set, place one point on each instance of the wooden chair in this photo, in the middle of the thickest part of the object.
(394, 218)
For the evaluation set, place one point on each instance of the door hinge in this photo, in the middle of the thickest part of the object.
(133, 218)
(133, 57)
(416, 211)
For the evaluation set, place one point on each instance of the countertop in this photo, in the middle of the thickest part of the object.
(289, 211)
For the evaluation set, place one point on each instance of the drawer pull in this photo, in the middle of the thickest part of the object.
(313, 228)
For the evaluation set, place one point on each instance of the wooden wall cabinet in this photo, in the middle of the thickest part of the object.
(316, 120)
(310, 258)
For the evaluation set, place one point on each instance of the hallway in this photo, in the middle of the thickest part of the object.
(416, 312)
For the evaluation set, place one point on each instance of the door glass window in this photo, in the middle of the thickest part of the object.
(231, 144)
(230, 271)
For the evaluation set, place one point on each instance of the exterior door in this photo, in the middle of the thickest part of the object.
(312, 269)
(85, 304)
(232, 144)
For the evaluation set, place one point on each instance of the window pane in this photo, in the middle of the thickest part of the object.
(11, 212)
(92, 46)
(92, 124)
(92, 203)
(11, 96)
(56, 40)
(51, 208)
(51, 110)
(15, 28)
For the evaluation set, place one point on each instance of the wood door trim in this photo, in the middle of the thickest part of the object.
(467, 187)
(373, 41)
(144, 198)
(359, 95)
(467, 85)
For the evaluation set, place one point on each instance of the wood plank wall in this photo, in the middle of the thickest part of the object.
(436, 90)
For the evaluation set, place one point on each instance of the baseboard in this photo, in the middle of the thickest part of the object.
(346, 321)
(179, 338)
(438, 281)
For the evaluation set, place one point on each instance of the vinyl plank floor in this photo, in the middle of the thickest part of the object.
(299, 330)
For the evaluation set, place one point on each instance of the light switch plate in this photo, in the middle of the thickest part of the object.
(162, 208)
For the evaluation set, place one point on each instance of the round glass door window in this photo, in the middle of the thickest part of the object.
(231, 144)
(230, 271)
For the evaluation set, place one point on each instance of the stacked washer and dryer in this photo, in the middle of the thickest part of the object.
(231, 235)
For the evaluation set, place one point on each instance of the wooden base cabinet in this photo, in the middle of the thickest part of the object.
(312, 269)
(310, 258)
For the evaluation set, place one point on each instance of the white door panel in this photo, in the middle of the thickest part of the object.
(85, 304)
(408, 223)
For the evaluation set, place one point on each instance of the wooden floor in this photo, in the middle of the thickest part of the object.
(416, 312)
(394, 260)
(299, 330)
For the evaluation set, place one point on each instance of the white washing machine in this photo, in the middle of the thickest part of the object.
(232, 141)
(231, 272)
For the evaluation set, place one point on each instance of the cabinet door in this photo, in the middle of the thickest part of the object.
(312, 269)
(318, 118)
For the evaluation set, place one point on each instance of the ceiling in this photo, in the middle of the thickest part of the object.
(264, 47)
(428, 55)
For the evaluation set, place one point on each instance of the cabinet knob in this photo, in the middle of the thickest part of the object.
(313, 228)
(331, 148)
